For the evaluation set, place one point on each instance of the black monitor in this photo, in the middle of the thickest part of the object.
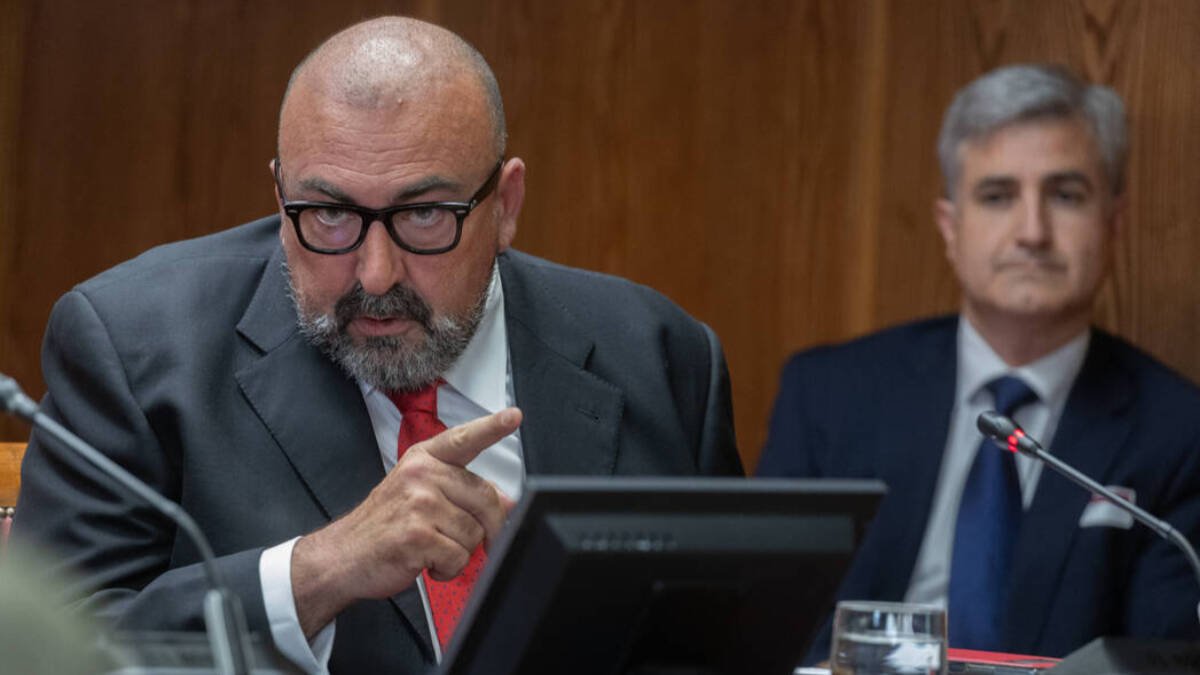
(624, 576)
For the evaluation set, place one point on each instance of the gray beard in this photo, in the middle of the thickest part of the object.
(391, 362)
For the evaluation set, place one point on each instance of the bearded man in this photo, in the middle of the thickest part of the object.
(288, 381)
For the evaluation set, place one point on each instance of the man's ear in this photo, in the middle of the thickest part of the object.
(511, 196)
(274, 183)
(945, 214)
(278, 202)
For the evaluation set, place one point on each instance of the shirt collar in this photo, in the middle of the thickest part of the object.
(1050, 377)
(481, 372)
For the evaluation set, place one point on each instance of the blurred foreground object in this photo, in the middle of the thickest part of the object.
(36, 635)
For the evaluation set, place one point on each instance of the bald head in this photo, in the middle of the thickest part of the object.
(381, 63)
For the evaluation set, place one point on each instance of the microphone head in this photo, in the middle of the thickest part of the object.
(10, 393)
(996, 426)
(13, 400)
(1007, 434)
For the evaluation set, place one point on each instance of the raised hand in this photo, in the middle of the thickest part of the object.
(429, 512)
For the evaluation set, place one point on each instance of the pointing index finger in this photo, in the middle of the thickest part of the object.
(461, 444)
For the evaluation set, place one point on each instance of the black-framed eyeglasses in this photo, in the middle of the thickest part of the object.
(425, 228)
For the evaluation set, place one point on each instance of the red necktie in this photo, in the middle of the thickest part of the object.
(446, 598)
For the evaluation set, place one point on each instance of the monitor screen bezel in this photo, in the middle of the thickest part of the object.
(688, 498)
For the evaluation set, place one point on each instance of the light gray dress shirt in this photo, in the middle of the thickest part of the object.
(1051, 378)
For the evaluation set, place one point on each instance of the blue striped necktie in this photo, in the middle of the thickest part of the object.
(985, 534)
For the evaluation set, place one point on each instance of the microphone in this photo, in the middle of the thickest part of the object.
(1008, 434)
(223, 615)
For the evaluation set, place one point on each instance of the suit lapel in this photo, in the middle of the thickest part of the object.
(1090, 433)
(914, 442)
(571, 416)
(313, 410)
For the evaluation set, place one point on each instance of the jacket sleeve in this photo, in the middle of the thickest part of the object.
(1162, 592)
(718, 446)
(128, 564)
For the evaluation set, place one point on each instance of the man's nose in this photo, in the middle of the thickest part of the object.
(380, 261)
(1034, 229)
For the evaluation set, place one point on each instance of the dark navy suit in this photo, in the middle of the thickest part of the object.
(880, 406)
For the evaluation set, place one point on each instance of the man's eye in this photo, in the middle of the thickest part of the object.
(994, 198)
(333, 217)
(428, 216)
(1072, 197)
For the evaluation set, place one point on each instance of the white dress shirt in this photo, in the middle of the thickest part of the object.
(479, 383)
(1051, 378)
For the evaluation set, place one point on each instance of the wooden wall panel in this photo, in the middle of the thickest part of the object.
(768, 164)
(1157, 298)
(12, 62)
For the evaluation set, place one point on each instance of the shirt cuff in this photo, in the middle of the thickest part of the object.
(275, 573)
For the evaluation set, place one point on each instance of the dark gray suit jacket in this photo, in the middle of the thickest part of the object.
(185, 366)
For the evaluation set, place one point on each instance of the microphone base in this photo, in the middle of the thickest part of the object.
(1118, 656)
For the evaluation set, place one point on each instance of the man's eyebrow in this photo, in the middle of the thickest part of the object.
(994, 181)
(327, 189)
(1067, 177)
(408, 194)
(425, 186)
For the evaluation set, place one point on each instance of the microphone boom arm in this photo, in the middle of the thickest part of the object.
(1006, 433)
(223, 614)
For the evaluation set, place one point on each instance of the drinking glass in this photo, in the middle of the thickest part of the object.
(885, 638)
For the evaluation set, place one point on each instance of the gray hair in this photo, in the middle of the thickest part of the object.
(1023, 93)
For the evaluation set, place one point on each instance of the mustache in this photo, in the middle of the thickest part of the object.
(399, 302)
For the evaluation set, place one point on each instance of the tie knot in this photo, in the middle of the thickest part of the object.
(1010, 393)
(423, 400)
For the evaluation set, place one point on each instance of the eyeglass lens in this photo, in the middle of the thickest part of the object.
(424, 228)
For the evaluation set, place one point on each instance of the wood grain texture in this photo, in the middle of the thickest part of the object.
(769, 164)
(10, 473)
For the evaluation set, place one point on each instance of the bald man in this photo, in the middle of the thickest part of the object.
(288, 380)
